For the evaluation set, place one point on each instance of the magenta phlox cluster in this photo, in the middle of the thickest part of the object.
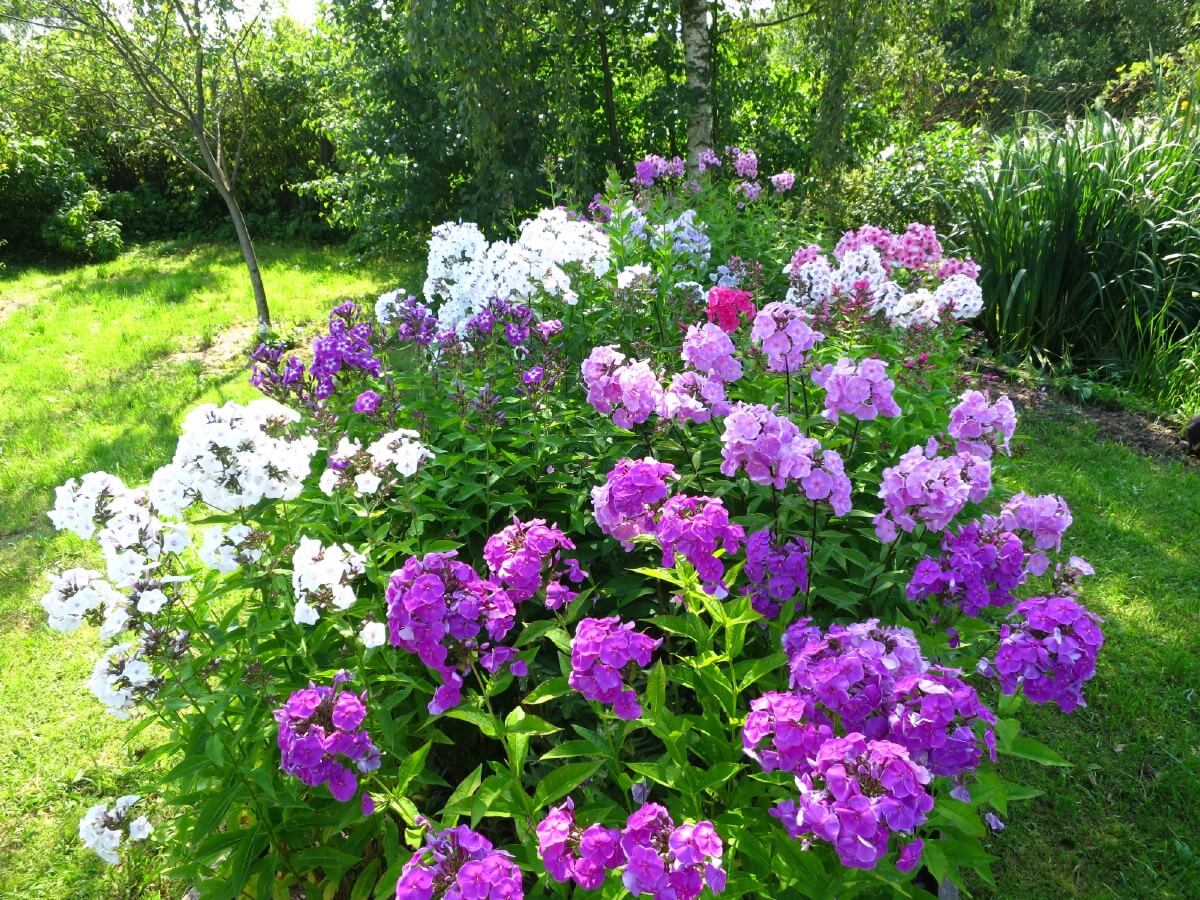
(776, 572)
(666, 862)
(981, 427)
(727, 306)
(980, 566)
(582, 855)
(526, 557)
(929, 489)
(696, 528)
(859, 792)
(693, 397)
(784, 731)
(440, 610)
(604, 653)
(459, 864)
(784, 333)
(1049, 651)
(773, 452)
(627, 504)
(628, 391)
(708, 350)
(320, 733)
(940, 719)
(861, 390)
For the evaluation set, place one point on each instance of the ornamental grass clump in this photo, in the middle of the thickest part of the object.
(615, 526)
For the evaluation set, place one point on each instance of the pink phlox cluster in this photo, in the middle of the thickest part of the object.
(785, 334)
(628, 502)
(459, 864)
(666, 862)
(772, 450)
(628, 391)
(979, 426)
(980, 566)
(776, 572)
(696, 528)
(571, 853)
(601, 651)
(708, 350)
(1049, 651)
(320, 732)
(861, 390)
(929, 489)
(440, 610)
(728, 306)
(526, 557)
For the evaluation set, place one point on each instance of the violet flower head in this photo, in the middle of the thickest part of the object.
(696, 528)
(930, 489)
(745, 162)
(456, 864)
(1045, 518)
(526, 557)
(708, 350)
(981, 427)
(602, 652)
(980, 566)
(346, 348)
(776, 572)
(367, 402)
(320, 733)
(571, 853)
(785, 335)
(628, 391)
(783, 182)
(693, 397)
(861, 390)
(1050, 651)
(784, 731)
(667, 862)
(941, 721)
(627, 504)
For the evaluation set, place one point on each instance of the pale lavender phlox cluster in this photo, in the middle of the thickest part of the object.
(603, 653)
(320, 733)
(693, 397)
(697, 528)
(929, 489)
(459, 864)
(525, 558)
(785, 334)
(443, 612)
(628, 503)
(979, 426)
(777, 572)
(709, 350)
(628, 391)
(862, 390)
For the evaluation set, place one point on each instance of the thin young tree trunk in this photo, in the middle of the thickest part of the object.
(610, 107)
(697, 68)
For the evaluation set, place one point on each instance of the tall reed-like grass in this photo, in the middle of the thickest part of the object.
(1089, 240)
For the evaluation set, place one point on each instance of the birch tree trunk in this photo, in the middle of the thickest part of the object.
(697, 67)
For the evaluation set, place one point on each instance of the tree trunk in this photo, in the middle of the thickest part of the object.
(251, 258)
(697, 68)
(610, 106)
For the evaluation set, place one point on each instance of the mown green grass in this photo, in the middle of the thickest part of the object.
(88, 380)
(98, 364)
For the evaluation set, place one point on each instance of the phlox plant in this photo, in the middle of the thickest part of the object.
(610, 563)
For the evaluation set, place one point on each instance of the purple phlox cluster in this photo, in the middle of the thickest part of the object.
(708, 350)
(628, 502)
(981, 427)
(367, 402)
(936, 716)
(783, 182)
(628, 391)
(861, 390)
(413, 321)
(347, 347)
(280, 377)
(603, 652)
(654, 167)
(599, 211)
(696, 528)
(459, 864)
(707, 159)
(772, 450)
(785, 334)
(852, 669)
(693, 397)
(784, 731)
(438, 609)
(1067, 577)
(318, 725)
(858, 792)
(980, 566)
(930, 489)
(526, 557)
(667, 862)
(1049, 651)
(745, 162)
(571, 853)
(776, 572)
(751, 190)
(1044, 518)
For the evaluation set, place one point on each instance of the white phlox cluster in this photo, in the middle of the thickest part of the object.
(322, 576)
(102, 827)
(226, 550)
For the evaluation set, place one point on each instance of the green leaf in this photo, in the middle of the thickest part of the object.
(527, 724)
(410, 767)
(560, 782)
(476, 717)
(547, 690)
(1027, 748)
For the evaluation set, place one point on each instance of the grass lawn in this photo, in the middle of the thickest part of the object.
(98, 365)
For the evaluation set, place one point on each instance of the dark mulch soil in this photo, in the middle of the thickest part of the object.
(1158, 438)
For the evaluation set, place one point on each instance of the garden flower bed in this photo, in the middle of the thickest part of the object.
(654, 552)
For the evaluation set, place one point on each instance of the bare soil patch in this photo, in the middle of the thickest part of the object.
(230, 349)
